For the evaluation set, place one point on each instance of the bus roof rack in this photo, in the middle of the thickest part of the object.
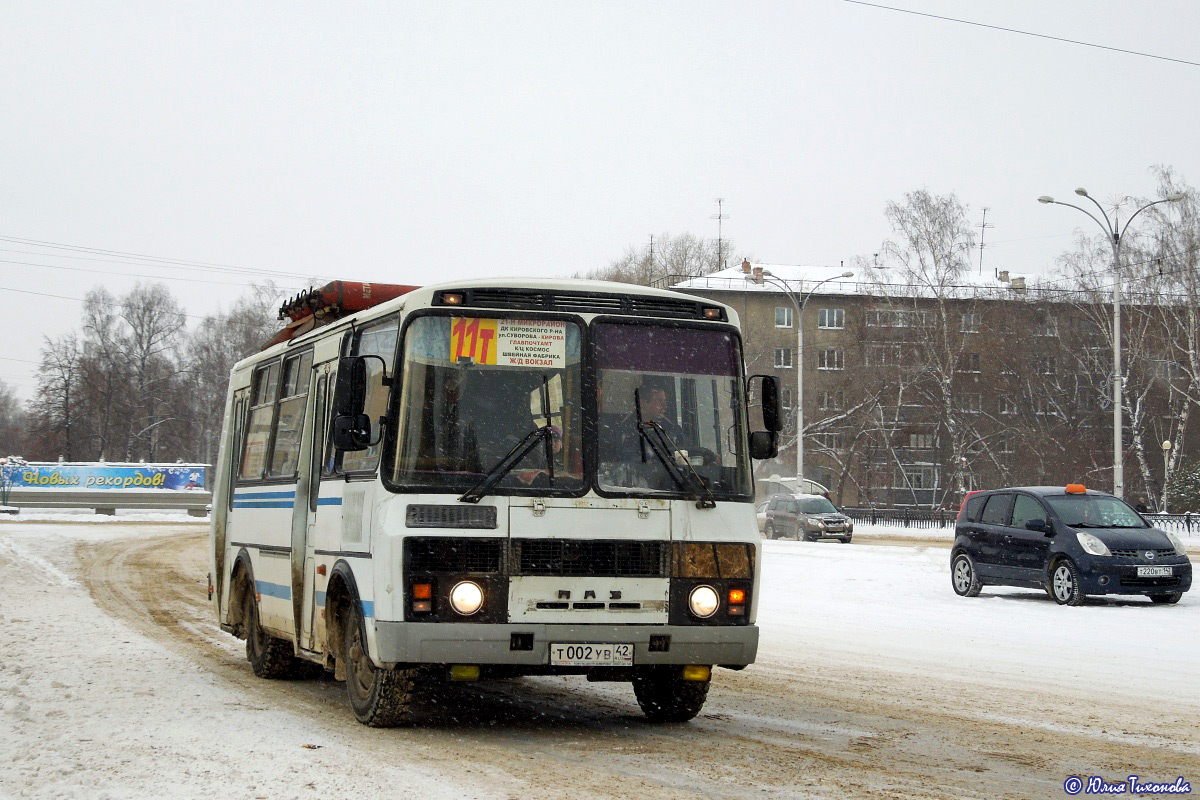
(334, 300)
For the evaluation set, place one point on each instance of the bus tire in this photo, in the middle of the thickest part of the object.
(379, 698)
(665, 696)
(269, 657)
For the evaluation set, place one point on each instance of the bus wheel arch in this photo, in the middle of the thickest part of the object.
(341, 594)
(241, 581)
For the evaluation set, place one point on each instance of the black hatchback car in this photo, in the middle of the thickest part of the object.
(1070, 541)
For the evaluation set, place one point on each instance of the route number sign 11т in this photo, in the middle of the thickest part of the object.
(509, 342)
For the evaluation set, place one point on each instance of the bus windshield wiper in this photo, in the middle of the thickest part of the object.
(652, 434)
(521, 449)
(544, 434)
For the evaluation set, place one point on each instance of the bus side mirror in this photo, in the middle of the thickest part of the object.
(351, 424)
(770, 402)
(763, 445)
(351, 431)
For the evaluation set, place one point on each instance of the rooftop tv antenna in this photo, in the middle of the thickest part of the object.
(719, 216)
(983, 226)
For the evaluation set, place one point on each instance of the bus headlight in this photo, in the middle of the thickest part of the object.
(466, 598)
(704, 601)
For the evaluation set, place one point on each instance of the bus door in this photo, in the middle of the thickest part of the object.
(311, 506)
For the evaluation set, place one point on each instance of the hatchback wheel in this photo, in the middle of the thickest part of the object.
(1169, 599)
(963, 576)
(1064, 584)
(769, 531)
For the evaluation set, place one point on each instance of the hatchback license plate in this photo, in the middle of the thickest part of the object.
(591, 655)
(1154, 572)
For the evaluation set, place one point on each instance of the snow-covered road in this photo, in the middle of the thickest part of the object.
(873, 680)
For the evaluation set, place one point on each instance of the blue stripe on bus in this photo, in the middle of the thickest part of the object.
(273, 590)
(265, 504)
(329, 501)
(262, 495)
(368, 607)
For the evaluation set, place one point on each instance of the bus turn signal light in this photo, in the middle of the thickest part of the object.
(422, 591)
(737, 596)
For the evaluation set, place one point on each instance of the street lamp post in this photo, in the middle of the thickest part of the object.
(1166, 445)
(1113, 232)
(765, 276)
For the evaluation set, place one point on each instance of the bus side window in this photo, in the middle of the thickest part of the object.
(238, 421)
(378, 339)
(289, 423)
(258, 422)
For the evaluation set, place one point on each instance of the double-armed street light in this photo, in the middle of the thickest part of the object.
(766, 276)
(1113, 232)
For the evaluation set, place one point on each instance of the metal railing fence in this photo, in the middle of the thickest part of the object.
(1185, 524)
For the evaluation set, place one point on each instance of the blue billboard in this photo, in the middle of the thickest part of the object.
(175, 477)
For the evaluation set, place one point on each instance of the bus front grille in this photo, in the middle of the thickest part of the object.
(454, 555)
(586, 558)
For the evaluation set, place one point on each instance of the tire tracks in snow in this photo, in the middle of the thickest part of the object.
(817, 728)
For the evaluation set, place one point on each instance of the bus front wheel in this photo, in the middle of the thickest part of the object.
(665, 696)
(380, 698)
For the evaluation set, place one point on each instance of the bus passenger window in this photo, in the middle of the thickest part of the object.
(258, 425)
(290, 422)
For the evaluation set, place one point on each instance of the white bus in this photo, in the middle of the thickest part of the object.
(493, 478)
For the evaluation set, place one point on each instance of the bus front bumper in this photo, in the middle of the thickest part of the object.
(466, 643)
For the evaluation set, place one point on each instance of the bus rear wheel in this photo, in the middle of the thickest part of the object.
(379, 698)
(665, 696)
(269, 657)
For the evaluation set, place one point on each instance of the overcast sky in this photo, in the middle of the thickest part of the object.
(420, 142)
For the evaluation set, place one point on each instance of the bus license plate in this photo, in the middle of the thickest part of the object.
(1154, 572)
(591, 655)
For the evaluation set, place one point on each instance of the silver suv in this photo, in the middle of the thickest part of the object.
(806, 516)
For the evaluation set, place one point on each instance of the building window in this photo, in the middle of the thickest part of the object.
(913, 476)
(831, 359)
(785, 398)
(829, 441)
(783, 358)
(1046, 326)
(1044, 407)
(831, 401)
(884, 355)
(969, 362)
(888, 318)
(831, 318)
(971, 403)
(920, 441)
(1007, 406)
(1045, 365)
(1006, 445)
(783, 316)
(969, 323)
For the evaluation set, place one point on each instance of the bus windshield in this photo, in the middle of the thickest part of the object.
(684, 383)
(473, 388)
